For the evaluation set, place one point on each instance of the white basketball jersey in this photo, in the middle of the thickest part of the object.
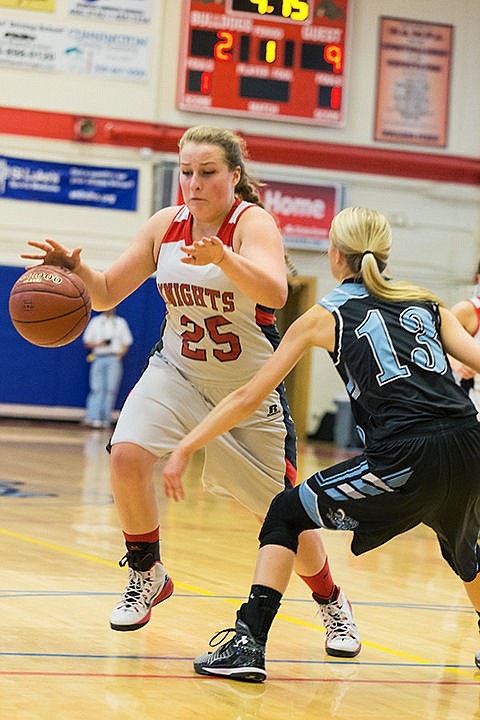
(212, 328)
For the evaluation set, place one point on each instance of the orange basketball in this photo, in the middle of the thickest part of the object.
(49, 306)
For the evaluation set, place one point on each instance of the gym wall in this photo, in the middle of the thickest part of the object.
(431, 195)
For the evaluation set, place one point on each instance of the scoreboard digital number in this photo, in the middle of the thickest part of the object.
(268, 59)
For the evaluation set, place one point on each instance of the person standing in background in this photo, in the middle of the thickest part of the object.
(108, 337)
(468, 312)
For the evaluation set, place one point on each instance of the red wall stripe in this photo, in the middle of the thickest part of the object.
(330, 156)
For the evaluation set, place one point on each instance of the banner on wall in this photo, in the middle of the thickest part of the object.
(73, 50)
(45, 5)
(42, 181)
(136, 11)
(413, 82)
(304, 213)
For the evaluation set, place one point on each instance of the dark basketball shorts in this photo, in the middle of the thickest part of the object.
(431, 478)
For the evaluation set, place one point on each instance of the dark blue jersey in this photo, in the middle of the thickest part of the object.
(391, 359)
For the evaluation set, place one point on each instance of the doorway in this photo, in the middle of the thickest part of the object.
(301, 296)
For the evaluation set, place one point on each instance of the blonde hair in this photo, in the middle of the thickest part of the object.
(235, 152)
(364, 237)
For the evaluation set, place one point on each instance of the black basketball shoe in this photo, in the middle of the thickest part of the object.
(241, 658)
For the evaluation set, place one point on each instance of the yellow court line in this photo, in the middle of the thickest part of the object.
(206, 593)
(93, 558)
(59, 548)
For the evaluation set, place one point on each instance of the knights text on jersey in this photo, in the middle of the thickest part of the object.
(390, 357)
(211, 326)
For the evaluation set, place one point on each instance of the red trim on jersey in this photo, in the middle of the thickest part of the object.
(290, 472)
(180, 229)
(474, 302)
(263, 316)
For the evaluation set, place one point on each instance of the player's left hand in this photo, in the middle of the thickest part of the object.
(172, 475)
(204, 251)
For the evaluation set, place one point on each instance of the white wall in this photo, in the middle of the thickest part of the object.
(154, 100)
(436, 236)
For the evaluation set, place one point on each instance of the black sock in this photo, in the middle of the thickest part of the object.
(326, 601)
(260, 610)
(142, 555)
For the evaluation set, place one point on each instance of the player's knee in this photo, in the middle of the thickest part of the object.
(281, 525)
(129, 460)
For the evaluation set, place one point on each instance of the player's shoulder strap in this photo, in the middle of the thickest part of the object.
(227, 229)
(179, 228)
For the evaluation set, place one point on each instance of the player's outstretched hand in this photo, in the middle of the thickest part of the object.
(52, 253)
(172, 474)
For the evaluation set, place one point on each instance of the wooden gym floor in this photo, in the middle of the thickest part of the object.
(60, 545)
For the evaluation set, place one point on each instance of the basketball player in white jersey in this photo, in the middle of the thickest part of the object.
(220, 268)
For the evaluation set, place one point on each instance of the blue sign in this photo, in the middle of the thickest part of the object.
(42, 181)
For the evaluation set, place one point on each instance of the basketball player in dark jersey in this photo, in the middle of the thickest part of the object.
(421, 463)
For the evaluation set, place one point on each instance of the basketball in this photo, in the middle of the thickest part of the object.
(49, 306)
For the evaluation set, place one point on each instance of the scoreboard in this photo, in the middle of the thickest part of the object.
(269, 59)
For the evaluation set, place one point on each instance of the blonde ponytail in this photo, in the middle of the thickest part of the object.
(364, 237)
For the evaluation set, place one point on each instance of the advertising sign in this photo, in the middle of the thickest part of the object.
(136, 11)
(73, 50)
(304, 213)
(52, 182)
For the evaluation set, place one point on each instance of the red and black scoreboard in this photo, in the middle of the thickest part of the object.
(269, 59)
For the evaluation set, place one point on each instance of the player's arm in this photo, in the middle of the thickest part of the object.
(262, 273)
(465, 312)
(108, 288)
(257, 267)
(315, 327)
(458, 343)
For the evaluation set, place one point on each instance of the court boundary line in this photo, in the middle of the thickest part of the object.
(155, 676)
(199, 591)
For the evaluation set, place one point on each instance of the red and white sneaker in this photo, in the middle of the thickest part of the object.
(343, 638)
(144, 590)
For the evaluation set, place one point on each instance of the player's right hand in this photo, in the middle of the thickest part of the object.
(52, 253)
(172, 474)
